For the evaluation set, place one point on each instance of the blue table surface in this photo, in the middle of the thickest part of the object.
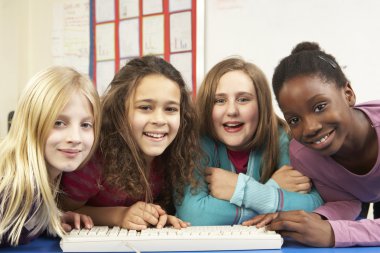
(48, 244)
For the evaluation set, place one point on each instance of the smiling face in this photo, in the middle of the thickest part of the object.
(318, 112)
(235, 113)
(155, 114)
(72, 137)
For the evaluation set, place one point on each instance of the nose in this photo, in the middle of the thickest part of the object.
(158, 117)
(311, 126)
(232, 109)
(74, 134)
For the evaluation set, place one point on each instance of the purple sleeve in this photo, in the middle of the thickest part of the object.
(339, 204)
(340, 210)
(356, 233)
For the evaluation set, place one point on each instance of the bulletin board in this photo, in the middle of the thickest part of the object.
(124, 29)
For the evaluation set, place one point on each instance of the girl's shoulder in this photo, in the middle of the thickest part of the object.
(372, 110)
(209, 145)
(208, 141)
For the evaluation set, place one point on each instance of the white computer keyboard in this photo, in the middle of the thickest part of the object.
(195, 238)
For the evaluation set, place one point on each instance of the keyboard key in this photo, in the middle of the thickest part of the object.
(196, 238)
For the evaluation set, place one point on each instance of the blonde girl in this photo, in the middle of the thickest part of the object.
(54, 129)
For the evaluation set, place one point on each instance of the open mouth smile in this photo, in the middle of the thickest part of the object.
(155, 135)
(233, 125)
(322, 139)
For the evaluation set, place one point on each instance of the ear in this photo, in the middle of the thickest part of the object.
(349, 94)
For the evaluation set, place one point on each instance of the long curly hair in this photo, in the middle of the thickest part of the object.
(124, 165)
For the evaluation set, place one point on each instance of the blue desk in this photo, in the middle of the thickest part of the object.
(46, 244)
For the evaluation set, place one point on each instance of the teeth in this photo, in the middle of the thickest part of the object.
(231, 125)
(323, 139)
(154, 135)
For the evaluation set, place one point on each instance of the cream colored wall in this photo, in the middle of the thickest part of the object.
(25, 48)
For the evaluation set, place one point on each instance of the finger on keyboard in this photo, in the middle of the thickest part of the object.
(174, 221)
(184, 224)
(135, 226)
(66, 227)
(162, 221)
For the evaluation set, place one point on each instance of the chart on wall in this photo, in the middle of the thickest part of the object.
(70, 34)
(124, 29)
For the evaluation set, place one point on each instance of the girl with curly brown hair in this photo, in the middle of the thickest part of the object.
(147, 152)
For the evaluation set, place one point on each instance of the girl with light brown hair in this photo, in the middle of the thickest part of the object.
(246, 144)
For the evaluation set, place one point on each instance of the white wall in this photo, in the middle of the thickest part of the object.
(25, 28)
(262, 31)
(265, 31)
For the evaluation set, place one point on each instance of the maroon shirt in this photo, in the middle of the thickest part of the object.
(239, 159)
(88, 184)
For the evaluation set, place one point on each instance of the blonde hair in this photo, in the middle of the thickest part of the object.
(24, 179)
(266, 137)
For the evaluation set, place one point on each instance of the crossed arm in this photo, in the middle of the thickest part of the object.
(222, 183)
(211, 204)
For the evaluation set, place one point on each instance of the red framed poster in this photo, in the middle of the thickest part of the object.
(124, 29)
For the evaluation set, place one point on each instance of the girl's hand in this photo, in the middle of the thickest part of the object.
(261, 220)
(71, 220)
(221, 183)
(292, 180)
(141, 215)
(306, 228)
(171, 220)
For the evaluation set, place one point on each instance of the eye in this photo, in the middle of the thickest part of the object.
(219, 101)
(320, 107)
(293, 121)
(145, 107)
(87, 125)
(172, 109)
(59, 124)
(243, 100)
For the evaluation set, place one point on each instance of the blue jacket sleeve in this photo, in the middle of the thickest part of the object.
(268, 197)
(203, 209)
(298, 201)
(200, 208)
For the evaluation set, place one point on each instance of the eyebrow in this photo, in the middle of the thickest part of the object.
(89, 117)
(310, 101)
(239, 94)
(148, 100)
(288, 114)
(316, 96)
